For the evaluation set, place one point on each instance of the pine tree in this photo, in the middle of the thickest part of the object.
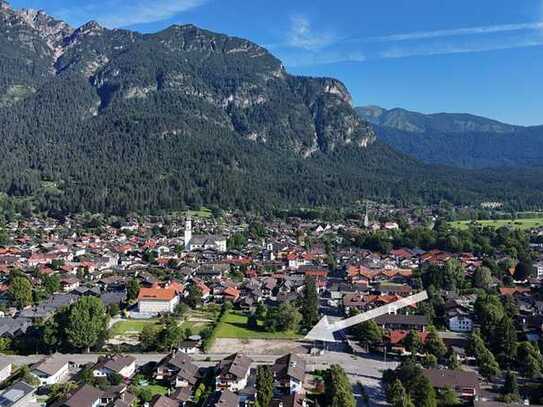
(338, 389)
(264, 385)
(434, 344)
(310, 304)
(510, 385)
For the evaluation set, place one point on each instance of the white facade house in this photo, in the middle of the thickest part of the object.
(51, 370)
(233, 373)
(5, 369)
(460, 323)
(122, 365)
(157, 300)
(539, 270)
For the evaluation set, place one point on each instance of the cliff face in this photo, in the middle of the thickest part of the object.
(245, 88)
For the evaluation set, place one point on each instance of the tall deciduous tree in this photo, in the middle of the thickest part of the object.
(434, 344)
(412, 342)
(369, 333)
(87, 323)
(20, 291)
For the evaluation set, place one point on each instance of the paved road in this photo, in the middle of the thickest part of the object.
(365, 371)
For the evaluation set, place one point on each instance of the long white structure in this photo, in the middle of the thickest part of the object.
(324, 330)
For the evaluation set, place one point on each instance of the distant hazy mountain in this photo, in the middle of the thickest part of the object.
(461, 140)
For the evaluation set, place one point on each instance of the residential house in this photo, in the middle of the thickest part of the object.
(124, 366)
(5, 369)
(288, 373)
(402, 322)
(460, 323)
(13, 327)
(179, 369)
(289, 400)
(85, 396)
(51, 370)
(163, 401)
(465, 384)
(233, 372)
(19, 394)
(223, 398)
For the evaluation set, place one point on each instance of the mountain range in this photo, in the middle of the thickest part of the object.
(116, 121)
(459, 140)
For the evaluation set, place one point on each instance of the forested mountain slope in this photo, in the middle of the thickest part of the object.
(117, 121)
(459, 140)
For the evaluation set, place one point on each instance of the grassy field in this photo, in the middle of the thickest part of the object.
(122, 327)
(195, 320)
(154, 389)
(523, 224)
(234, 325)
(202, 213)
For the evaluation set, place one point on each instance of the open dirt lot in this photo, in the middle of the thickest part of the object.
(258, 346)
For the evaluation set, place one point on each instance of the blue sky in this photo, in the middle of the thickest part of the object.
(477, 56)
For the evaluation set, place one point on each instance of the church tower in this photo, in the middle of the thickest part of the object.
(366, 218)
(188, 232)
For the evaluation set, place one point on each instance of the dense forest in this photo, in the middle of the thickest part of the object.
(117, 121)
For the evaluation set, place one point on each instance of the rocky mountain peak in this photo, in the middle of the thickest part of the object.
(4, 5)
(90, 28)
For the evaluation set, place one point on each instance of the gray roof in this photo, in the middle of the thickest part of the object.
(118, 363)
(86, 396)
(223, 399)
(237, 365)
(4, 363)
(289, 365)
(163, 401)
(442, 378)
(14, 326)
(402, 319)
(50, 365)
(15, 393)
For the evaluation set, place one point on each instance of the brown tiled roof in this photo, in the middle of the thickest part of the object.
(163, 401)
(289, 365)
(458, 379)
(236, 365)
(86, 396)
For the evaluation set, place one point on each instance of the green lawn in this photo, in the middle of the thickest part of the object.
(234, 325)
(202, 213)
(523, 224)
(154, 389)
(122, 327)
(136, 326)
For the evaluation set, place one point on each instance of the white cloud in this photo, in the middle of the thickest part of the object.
(445, 49)
(302, 35)
(488, 29)
(301, 59)
(123, 13)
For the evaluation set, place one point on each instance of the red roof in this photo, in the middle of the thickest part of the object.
(160, 294)
(178, 287)
(513, 290)
(397, 337)
(231, 292)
